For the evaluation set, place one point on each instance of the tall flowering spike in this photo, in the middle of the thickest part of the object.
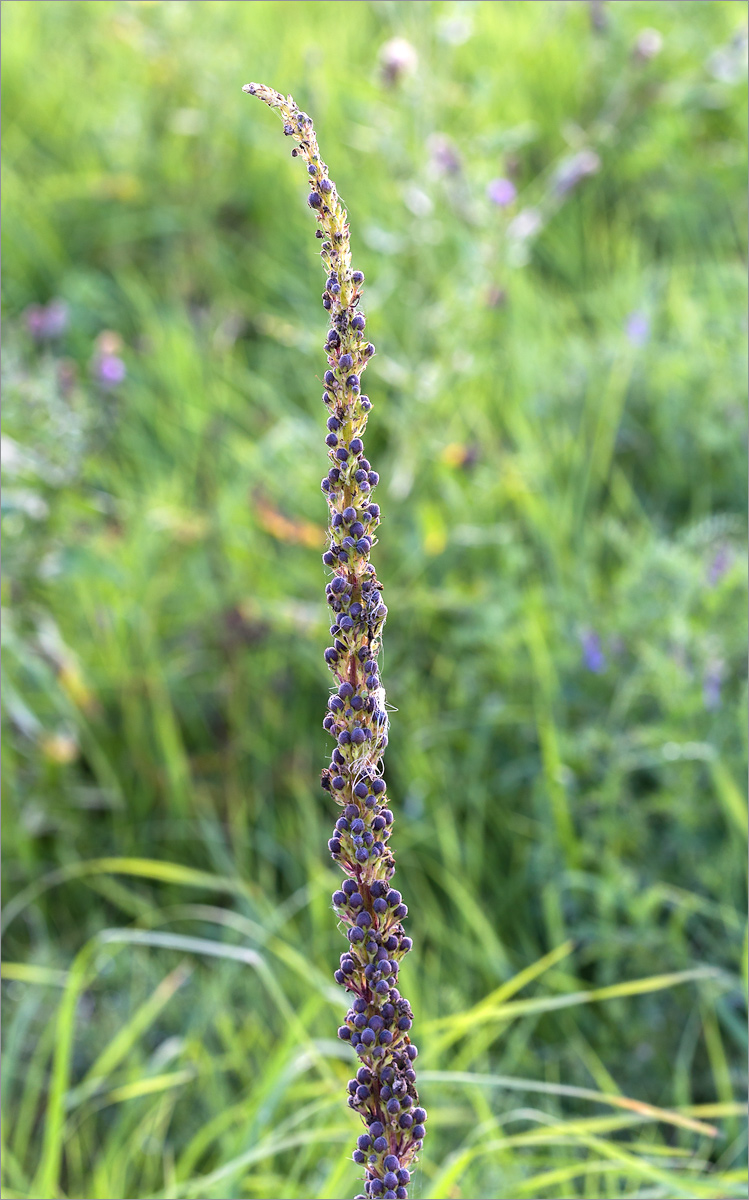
(370, 911)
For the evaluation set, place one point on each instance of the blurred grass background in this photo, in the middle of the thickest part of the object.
(559, 426)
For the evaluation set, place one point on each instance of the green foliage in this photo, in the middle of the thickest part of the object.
(563, 498)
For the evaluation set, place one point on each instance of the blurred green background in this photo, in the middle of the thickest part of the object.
(548, 201)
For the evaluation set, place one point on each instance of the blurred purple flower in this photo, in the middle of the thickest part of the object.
(47, 321)
(501, 192)
(593, 656)
(637, 328)
(572, 170)
(109, 370)
(718, 567)
(712, 683)
(443, 155)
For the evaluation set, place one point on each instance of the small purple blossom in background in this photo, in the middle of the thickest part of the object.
(397, 59)
(637, 328)
(108, 367)
(593, 657)
(47, 321)
(110, 370)
(573, 170)
(501, 192)
(712, 683)
(719, 565)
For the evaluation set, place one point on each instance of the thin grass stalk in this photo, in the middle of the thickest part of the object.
(370, 911)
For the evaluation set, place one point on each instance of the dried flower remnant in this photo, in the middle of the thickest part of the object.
(370, 910)
(648, 45)
(397, 59)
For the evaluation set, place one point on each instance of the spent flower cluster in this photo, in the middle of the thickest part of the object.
(370, 910)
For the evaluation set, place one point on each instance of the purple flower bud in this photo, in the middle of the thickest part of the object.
(364, 545)
(356, 445)
(378, 786)
(341, 454)
(358, 322)
(345, 361)
(344, 1033)
(390, 1180)
(326, 186)
(329, 378)
(331, 440)
(344, 738)
(358, 277)
(314, 200)
(374, 479)
(417, 1132)
(349, 514)
(352, 382)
